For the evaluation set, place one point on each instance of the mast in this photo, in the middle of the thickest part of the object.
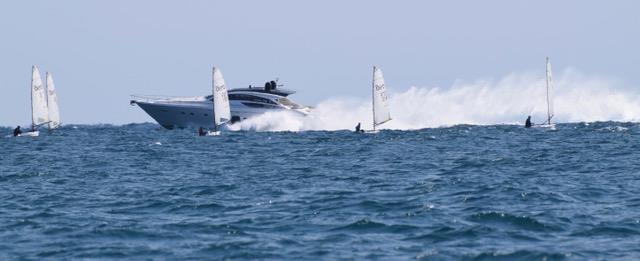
(547, 65)
(213, 98)
(373, 96)
(46, 90)
(33, 120)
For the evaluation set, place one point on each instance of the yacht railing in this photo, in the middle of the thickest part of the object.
(164, 98)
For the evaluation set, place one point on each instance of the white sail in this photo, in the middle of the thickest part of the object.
(39, 111)
(52, 103)
(221, 108)
(381, 112)
(549, 92)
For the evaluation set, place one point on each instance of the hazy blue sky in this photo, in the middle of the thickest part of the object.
(100, 52)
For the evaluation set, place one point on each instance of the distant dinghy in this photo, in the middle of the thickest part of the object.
(52, 103)
(381, 113)
(44, 104)
(221, 108)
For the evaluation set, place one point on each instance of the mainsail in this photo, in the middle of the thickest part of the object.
(39, 111)
(381, 112)
(549, 93)
(52, 103)
(221, 108)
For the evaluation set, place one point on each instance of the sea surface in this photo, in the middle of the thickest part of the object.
(464, 192)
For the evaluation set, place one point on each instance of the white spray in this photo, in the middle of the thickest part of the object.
(508, 101)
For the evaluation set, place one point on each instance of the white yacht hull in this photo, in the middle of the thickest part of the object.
(196, 114)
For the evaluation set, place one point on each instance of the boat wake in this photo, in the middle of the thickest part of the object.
(578, 98)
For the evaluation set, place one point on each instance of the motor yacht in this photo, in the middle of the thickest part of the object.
(194, 112)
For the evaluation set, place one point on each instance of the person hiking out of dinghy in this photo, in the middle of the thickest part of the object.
(527, 123)
(17, 131)
(358, 130)
(201, 132)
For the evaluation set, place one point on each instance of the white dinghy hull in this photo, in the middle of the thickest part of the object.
(213, 133)
(551, 126)
(29, 134)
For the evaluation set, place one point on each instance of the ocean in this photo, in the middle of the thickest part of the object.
(141, 192)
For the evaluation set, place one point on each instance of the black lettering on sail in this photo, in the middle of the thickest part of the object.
(384, 96)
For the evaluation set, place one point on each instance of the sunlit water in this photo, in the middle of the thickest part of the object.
(142, 192)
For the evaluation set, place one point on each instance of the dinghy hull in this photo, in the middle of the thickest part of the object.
(30, 134)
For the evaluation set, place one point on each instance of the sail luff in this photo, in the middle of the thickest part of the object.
(213, 99)
(373, 97)
(33, 118)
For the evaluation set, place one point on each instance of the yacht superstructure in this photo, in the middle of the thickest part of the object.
(187, 112)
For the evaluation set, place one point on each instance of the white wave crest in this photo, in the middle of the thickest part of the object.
(508, 101)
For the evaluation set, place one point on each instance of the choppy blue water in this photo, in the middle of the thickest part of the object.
(464, 192)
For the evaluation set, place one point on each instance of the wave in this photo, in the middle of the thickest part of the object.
(367, 226)
(578, 98)
(506, 219)
(520, 255)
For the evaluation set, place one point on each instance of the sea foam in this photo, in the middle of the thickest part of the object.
(577, 98)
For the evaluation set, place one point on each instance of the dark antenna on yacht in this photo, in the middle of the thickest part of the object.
(279, 85)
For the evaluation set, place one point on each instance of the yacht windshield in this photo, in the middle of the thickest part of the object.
(245, 97)
(289, 103)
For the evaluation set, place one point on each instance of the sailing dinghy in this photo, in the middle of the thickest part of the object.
(44, 104)
(221, 108)
(379, 101)
(550, 114)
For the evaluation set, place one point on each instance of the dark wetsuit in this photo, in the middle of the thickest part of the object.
(358, 127)
(201, 132)
(273, 85)
(17, 131)
(527, 123)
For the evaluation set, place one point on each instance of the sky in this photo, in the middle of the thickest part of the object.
(101, 52)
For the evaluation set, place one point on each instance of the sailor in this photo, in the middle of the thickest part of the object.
(358, 128)
(267, 86)
(273, 85)
(527, 123)
(17, 131)
(201, 132)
